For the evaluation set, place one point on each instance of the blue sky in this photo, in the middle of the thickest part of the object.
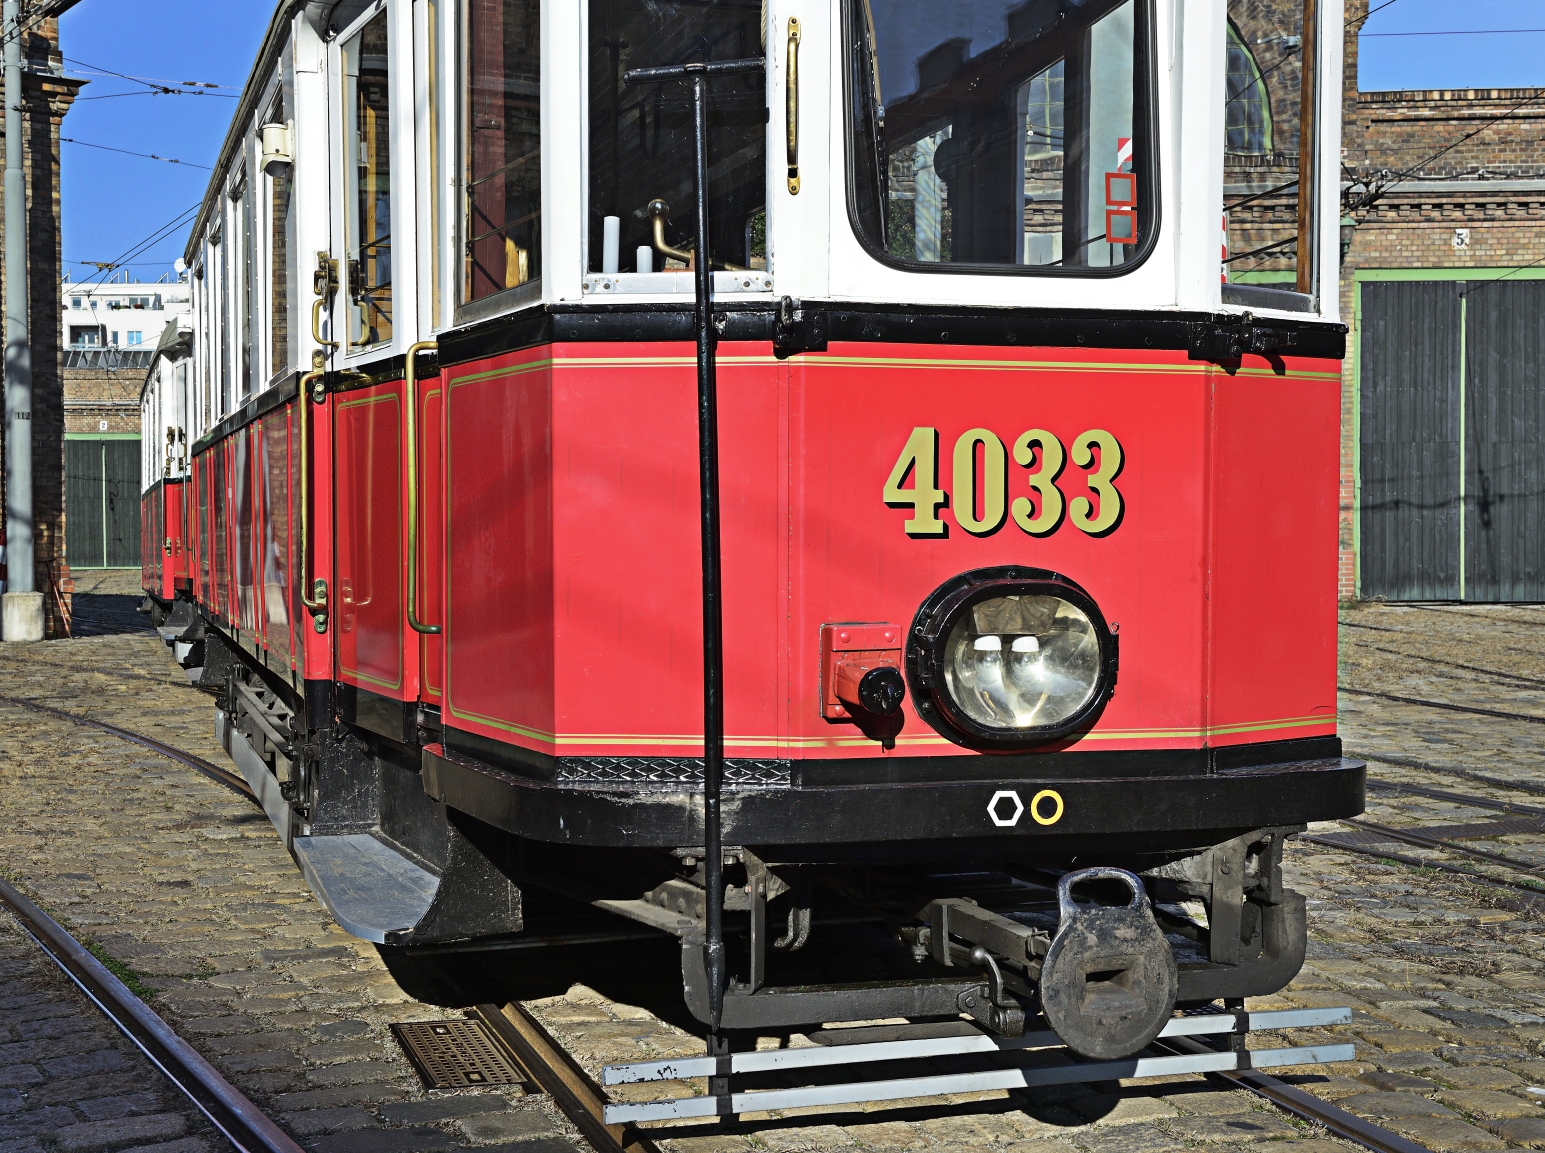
(112, 201)
(1398, 48)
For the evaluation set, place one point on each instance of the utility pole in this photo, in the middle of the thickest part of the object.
(21, 618)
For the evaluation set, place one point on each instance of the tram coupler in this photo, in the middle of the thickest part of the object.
(1109, 981)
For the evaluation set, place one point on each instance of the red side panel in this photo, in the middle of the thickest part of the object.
(499, 550)
(147, 502)
(174, 547)
(573, 588)
(369, 608)
(431, 548)
(1274, 517)
(219, 516)
(245, 510)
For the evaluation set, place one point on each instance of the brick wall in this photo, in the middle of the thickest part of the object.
(48, 97)
(93, 395)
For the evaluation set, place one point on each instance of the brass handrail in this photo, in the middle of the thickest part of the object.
(791, 111)
(412, 383)
(317, 606)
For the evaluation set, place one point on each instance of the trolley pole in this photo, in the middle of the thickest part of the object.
(23, 604)
(713, 616)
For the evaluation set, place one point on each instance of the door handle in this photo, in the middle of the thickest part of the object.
(412, 383)
(791, 112)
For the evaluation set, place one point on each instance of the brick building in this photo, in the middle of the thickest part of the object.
(111, 329)
(1443, 436)
(48, 95)
(1442, 285)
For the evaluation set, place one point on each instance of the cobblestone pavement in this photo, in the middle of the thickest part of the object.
(188, 885)
(68, 1077)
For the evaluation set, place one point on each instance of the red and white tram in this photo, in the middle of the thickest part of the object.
(899, 521)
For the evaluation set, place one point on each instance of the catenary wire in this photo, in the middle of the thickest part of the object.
(141, 155)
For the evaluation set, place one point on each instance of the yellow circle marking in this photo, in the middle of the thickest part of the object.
(1035, 807)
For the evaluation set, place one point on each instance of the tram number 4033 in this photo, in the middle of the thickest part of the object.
(980, 483)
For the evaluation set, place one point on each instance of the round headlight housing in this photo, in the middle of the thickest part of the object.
(1010, 657)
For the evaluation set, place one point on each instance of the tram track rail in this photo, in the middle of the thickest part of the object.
(1497, 674)
(547, 1063)
(241, 1122)
(1304, 1106)
(550, 1066)
(1449, 771)
(230, 780)
(1474, 710)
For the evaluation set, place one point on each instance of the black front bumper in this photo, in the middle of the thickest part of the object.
(1147, 813)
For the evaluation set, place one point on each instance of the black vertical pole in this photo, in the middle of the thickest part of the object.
(713, 617)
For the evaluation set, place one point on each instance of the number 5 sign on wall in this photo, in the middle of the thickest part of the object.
(980, 483)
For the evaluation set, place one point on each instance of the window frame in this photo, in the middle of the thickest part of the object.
(1145, 114)
(458, 160)
(402, 161)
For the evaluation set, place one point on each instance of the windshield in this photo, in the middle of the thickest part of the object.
(1001, 132)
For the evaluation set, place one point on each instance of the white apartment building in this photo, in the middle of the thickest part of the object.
(121, 313)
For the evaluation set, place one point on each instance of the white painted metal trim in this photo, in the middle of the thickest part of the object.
(824, 1055)
(996, 1079)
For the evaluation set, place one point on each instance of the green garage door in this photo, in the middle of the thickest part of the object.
(1452, 440)
(102, 491)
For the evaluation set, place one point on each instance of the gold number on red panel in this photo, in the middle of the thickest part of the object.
(990, 484)
(1043, 480)
(1080, 510)
(919, 458)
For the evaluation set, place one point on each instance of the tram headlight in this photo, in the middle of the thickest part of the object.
(1010, 657)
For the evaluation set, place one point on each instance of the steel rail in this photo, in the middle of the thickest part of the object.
(1499, 674)
(1532, 718)
(1467, 798)
(214, 772)
(1535, 891)
(551, 1067)
(1306, 1106)
(242, 1122)
(1416, 837)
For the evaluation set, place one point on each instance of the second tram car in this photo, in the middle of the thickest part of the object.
(903, 522)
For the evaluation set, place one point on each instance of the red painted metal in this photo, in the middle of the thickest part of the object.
(376, 648)
(571, 552)
(431, 579)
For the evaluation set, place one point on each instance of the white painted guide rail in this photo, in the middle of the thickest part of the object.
(1018, 1076)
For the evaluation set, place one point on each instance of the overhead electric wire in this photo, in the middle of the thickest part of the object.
(1463, 32)
(154, 238)
(163, 87)
(141, 155)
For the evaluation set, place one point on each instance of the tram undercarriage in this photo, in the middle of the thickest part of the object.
(1102, 933)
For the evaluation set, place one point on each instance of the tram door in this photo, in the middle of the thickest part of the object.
(1452, 440)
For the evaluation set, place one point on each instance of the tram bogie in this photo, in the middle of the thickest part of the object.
(1014, 528)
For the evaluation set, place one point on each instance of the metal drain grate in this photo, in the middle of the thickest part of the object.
(456, 1054)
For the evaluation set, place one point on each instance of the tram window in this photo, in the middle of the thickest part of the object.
(368, 175)
(241, 286)
(281, 224)
(1001, 132)
(503, 226)
(641, 142)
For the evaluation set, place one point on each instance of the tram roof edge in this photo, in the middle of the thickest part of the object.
(274, 40)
